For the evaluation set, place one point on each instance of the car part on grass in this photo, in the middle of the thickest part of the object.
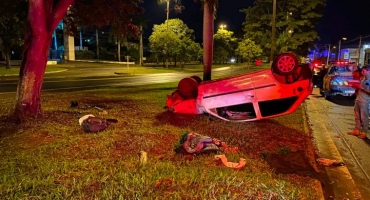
(329, 162)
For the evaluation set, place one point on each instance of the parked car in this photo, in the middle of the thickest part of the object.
(340, 79)
(247, 97)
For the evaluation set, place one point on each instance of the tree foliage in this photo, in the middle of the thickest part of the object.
(248, 50)
(117, 14)
(12, 22)
(295, 24)
(173, 39)
(224, 45)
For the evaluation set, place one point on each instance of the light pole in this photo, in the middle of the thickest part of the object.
(340, 41)
(167, 14)
(328, 57)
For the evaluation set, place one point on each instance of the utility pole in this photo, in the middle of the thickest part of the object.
(273, 31)
(167, 10)
(97, 43)
(327, 59)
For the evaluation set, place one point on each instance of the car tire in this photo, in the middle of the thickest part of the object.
(322, 93)
(188, 88)
(196, 78)
(327, 95)
(285, 64)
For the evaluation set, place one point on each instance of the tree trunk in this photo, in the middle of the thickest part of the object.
(119, 50)
(31, 76)
(207, 40)
(7, 58)
(43, 18)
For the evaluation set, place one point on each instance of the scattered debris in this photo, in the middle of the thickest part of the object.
(143, 157)
(329, 162)
(234, 165)
(92, 124)
(193, 143)
(74, 104)
(166, 182)
(104, 112)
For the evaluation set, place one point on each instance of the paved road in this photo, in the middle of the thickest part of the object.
(92, 77)
(330, 122)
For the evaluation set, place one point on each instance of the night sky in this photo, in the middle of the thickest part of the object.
(342, 18)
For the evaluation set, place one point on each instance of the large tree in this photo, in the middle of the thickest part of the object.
(12, 22)
(295, 24)
(43, 18)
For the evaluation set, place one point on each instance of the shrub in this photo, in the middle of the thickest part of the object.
(84, 54)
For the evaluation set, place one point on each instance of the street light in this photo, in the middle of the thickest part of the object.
(328, 57)
(340, 41)
(222, 26)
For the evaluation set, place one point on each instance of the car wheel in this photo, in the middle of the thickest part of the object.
(322, 93)
(196, 78)
(285, 63)
(188, 88)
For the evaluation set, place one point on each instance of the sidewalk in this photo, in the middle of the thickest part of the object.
(340, 184)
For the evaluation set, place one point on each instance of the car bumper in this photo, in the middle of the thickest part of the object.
(343, 91)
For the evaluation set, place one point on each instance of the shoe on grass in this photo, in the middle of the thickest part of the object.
(362, 135)
(354, 132)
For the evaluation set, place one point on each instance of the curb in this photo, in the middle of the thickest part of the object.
(309, 133)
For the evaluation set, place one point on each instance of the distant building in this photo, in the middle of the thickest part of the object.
(352, 51)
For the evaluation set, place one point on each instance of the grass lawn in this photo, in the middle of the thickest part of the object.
(53, 158)
(15, 70)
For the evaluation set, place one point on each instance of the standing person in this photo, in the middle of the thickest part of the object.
(362, 105)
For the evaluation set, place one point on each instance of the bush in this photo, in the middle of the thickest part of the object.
(84, 54)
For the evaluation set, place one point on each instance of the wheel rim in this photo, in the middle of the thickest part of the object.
(286, 64)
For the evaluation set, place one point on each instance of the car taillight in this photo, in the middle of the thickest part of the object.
(339, 82)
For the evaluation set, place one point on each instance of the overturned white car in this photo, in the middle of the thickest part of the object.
(247, 97)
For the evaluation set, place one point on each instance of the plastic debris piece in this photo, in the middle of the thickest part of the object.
(163, 181)
(143, 157)
(234, 165)
(329, 162)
